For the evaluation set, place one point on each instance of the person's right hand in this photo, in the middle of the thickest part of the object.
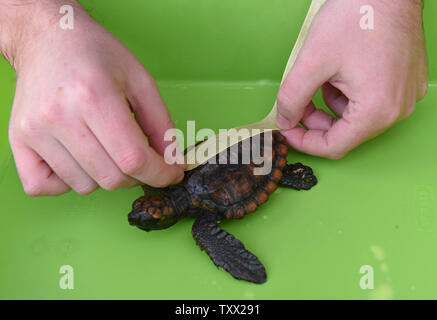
(71, 124)
(370, 79)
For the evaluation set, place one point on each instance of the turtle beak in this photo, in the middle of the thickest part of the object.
(133, 218)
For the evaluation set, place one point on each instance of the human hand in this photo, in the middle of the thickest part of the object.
(71, 124)
(370, 79)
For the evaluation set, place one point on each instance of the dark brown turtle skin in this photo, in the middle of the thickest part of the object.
(213, 192)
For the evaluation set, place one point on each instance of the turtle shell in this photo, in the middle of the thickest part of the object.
(237, 188)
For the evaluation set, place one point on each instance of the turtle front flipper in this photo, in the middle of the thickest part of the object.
(226, 251)
(298, 176)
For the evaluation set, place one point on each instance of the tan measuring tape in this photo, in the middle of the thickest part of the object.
(193, 158)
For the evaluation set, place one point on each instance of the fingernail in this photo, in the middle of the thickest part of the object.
(282, 122)
(180, 178)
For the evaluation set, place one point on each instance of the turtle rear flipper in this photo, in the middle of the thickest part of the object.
(298, 176)
(226, 251)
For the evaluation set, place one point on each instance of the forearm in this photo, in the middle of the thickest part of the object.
(22, 20)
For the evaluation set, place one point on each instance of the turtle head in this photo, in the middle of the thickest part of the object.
(155, 211)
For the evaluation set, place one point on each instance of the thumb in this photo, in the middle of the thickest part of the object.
(308, 74)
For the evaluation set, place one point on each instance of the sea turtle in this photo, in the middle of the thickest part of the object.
(213, 192)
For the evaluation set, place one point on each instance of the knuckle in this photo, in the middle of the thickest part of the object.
(111, 182)
(132, 162)
(389, 117)
(423, 90)
(409, 110)
(408, 113)
(149, 80)
(143, 77)
(285, 101)
(384, 112)
(33, 189)
(27, 126)
(308, 61)
(168, 124)
(85, 91)
(83, 88)
(333, 151)
(52, 113)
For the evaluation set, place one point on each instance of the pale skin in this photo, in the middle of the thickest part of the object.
(71, 125)
(370, 79)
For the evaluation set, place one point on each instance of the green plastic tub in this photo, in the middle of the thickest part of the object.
(377, 207)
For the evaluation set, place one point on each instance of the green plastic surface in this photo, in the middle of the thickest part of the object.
(377, 206)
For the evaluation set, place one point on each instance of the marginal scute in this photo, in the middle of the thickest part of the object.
(262, 197)
(276, 174)
(282, 149)
(238, 212)
(281, 162)
(251, 206)
(271, 187)
(280, 138)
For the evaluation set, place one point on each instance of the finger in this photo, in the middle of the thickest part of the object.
(37, 178)
(335, 142)
(92, 157)
(124, 141)
(422, 75)
(305, 78)
(150, 110)
(316, 119)
(334, 99)
(63, 164)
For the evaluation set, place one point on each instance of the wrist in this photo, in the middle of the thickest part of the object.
(404, 15)
(22, 22)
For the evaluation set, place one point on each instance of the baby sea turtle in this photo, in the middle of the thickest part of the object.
(213, 192)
